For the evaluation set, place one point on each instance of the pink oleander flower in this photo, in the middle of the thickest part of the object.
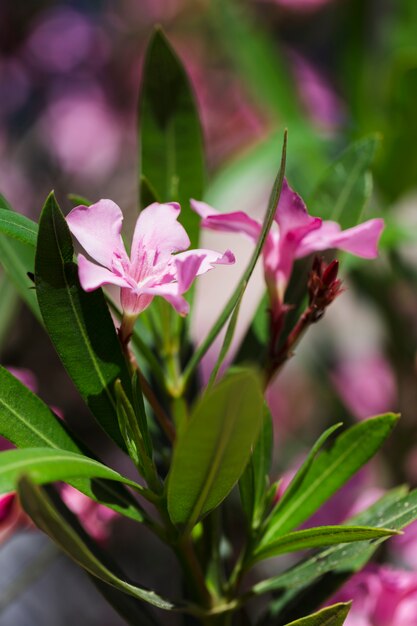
(366, 384)
(158, 265)
(294, 235)
(382, 596)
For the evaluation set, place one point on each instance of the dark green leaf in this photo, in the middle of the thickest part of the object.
(170, 139)
(78, 200)
(254, 483)
(44, 465)
(328, 472)
(39, 507)
(346, 187)
(317, 538)
(28, 423)
(334, 615)
(18, 227)
(212, 451)
(9, 301)
(78, 323)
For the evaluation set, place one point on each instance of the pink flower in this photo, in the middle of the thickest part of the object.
(94, 517)
(382, 596)
(296, 234)
(152, 269)
(366, 385)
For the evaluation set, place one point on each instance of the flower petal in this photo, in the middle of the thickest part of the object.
(170, 292)
(158, 230)
(235, 222)
(97, 228)
(201, 260)
(93, 276)
(361, 240)
(291, 215)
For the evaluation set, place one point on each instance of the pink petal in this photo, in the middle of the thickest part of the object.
(170, 292)
(97, 228)
(291, 215)
(361, 240)
(158, 230)
(93, 276)
(196, 262)
(235, 222)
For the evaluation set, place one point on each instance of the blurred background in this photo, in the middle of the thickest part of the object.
(333, 72)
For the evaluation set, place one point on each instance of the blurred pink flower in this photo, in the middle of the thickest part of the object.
(62, 39)
(153, 269)
(366, 385)
(82, 133)
(95, 518)
(317, 96)
(382, 596)
(403, 548)
(296, 235)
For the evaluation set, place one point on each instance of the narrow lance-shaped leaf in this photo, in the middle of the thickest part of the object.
(317, 538)
(254, 483)
(78, 323)
(44, 465)
(328, 472)
(39, 507)
(28, 422)
(334, 615)
(212, 451)
(9, 301)
(18, 227)
(170, 136)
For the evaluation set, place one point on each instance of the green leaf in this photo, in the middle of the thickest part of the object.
(328, 472)
(78, 323)
(254, 483)
(9, 301)
(77, 200)
(334, 615)
(317, 538)
(18, 227)
(44, 465)
(17, 260)
(295, 487)
(346, 187)
(201, 350)
(214, 448)
(39, 507)
(28, 422)
(170, 139)
(394, 510)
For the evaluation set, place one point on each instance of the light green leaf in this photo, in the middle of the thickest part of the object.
(214, 448)
(78, 323)
(317, 538)
(346, 187)
(9, 302)
(44, 465)
(28, 422)
(39, 507)
(328, 472)
(170, 137)
(334, 615)
(254, 483)
(18, 227)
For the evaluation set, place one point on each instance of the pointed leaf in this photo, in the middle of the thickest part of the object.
(9, 302)
(212, 451)
(170, 139)
(317, 538)
(78, 323)
(334, 615)
(39, 507)
(28, 422)
(329, 471)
